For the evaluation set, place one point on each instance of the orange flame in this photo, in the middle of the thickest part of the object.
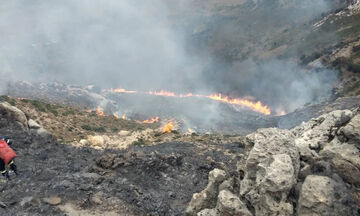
(255, 106)
(121, 90)
(151, 121)
(123, 117)
(168, 127)
(100, 112)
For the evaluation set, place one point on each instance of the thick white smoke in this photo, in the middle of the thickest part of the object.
(134, 44)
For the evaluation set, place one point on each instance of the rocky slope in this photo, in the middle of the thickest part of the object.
(313, 169)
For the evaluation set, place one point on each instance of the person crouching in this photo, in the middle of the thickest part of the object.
(7, 155)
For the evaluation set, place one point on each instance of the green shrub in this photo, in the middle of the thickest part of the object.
(69, 112)
(5, 98)
(139, 142)
(354, 67)
(86, 127)
(100, 129)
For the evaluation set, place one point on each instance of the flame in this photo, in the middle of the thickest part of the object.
(89, 111)
(121, 90)
(116, 116)
(168, 127)
(255, 106)
(190, 131)
(123, 117)
(100, 112)
(151, 121)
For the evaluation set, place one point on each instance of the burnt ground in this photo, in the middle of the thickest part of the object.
(154, 180)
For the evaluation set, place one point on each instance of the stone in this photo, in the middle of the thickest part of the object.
(43, 133)
(208, 212)
(321, 195)
(54, 200)
(230, 205)
(124, 133)
(271, 171)
(96, 141)
(314, 134)
(3, 205)
(12, 113)
(352, 131)
(84, 142)
(33, 124)
(207, 198)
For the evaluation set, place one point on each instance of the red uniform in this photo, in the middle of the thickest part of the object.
(6, 153)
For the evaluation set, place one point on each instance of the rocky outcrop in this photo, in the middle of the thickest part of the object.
(321, 195)
(207, 198)
(10, 114)
(271, 171)
(313, 169)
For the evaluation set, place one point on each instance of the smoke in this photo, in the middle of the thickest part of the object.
(137, 45)
(107, 43)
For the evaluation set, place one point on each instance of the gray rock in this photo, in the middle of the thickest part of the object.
(321, 195)
(345, 158)
(207, 198)
(33, 124)
(64, 184)
(271, 171)
(230, 205)
(352, 131)
(315, 133)
(13, 114)
(54, 200)
(208, 212)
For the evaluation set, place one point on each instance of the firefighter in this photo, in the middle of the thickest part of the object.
(7, 156)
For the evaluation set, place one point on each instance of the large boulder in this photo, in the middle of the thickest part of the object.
(10, 114)
(206, 199)
(321, 195)
(314, 134)
(271, 171)
(230, 205)
(351, 131)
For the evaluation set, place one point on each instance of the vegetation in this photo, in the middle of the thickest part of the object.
(5, 98)
(139, 142)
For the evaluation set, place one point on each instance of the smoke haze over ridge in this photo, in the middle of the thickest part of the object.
(133, 44)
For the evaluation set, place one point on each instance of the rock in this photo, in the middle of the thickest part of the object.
(33, 124)
(321, 195)
(84, 142)
(54, 200)
(96, 141)
(43, 133)
(13, 114)
(2, 205)
(230, 205)
(207, 198)
(96, 199)
(124, 133)
(271, 171)
(208, 212)
(345, 158)
(352, 131)
(314, 134)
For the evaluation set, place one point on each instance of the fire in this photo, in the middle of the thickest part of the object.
(100, 112)
(123, 117)
(168, 127)
(88, 111)
(116, 116)
(282, 113)
(190, 131)
(255, 106)
(121, 90)
(151, 121)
